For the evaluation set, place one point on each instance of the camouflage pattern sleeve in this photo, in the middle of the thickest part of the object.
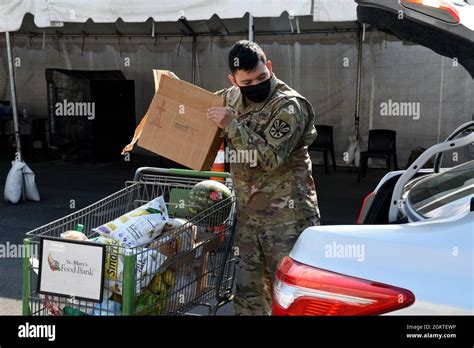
(221, 92)
(280, 137)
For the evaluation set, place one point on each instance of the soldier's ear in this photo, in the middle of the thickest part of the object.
(269, 65)
(231, 78)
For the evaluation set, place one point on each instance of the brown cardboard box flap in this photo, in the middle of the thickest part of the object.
(157, 74)
(177, 126)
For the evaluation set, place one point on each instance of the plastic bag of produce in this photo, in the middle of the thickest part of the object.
(138, 227)
(152, 301)
(182, 241)
(147, 264)
(74, 235)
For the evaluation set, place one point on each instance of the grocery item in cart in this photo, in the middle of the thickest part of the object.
(174, 223)
(138, 227)
(50, 305)
(74, 235)
(149, 303)
(147, 263)
(73, 312)
(183, 240)
(152, 300)
(207, 193)
(107, 307)
(162, 282)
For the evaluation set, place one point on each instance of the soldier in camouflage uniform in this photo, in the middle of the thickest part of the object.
(276, 199)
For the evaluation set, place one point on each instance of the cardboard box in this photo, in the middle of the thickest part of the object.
(138, 131)
(157, 77)
(176, 124)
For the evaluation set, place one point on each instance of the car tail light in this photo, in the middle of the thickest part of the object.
(362, 209)
(304, 290)
(440, 9)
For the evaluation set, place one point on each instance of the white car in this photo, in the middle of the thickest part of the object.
(445, 26)
(411, 253)
(412, 249)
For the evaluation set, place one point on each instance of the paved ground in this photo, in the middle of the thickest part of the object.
(339, 197)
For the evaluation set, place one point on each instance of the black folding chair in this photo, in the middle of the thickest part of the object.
(324, 143)
(382, 144)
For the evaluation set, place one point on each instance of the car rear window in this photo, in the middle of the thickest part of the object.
(447, 188)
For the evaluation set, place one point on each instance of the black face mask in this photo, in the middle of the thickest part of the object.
(256, 93)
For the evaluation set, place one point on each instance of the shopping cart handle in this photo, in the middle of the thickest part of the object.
(180, 172)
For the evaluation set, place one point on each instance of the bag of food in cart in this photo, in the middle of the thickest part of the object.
(74, 235)
(147, 263)
(171, 244)
(139, 226)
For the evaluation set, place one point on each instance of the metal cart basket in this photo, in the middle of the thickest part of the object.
(185, 267)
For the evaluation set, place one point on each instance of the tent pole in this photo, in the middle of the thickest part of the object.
(359, 82)
(193, 65)
(251, 31)
(11, 71)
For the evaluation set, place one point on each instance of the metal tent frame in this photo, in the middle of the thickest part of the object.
(51, 19)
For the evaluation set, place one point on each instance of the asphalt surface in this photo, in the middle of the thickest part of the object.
(339, 195)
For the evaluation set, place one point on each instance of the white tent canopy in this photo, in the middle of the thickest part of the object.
(315, 52)
(334, 10)
(54, 13)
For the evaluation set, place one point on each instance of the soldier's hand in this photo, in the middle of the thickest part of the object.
(220, 115)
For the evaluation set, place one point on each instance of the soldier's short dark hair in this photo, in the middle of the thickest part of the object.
(245, 55)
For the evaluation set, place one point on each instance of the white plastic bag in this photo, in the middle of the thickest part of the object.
(351, 150)
(74, 235)
(20, 174)
(14, 183)
(31, 191)
(357, 155)
(186, 240)
(188, 285)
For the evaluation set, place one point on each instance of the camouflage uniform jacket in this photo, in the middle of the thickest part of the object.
(278, 130)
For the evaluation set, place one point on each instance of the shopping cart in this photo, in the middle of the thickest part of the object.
(189, 266)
